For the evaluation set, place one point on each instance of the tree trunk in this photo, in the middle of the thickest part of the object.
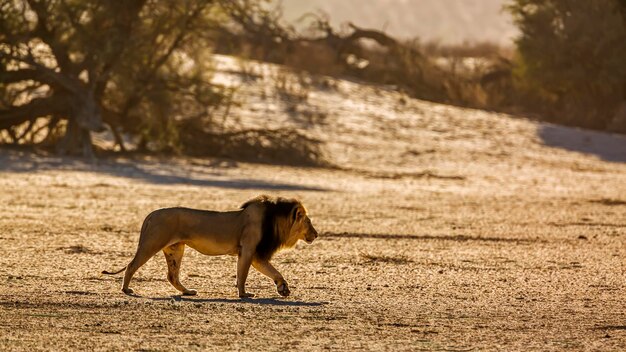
(76, 141)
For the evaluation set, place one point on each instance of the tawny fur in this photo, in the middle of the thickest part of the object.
(262, 226)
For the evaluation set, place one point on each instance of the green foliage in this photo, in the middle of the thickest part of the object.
(572, 58)
(138, 66)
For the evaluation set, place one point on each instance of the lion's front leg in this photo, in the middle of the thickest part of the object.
(267, 269)
(243, 267)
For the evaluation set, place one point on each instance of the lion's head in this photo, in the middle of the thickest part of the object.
(285, 221)
(301, 226)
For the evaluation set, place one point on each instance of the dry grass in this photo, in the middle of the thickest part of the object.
(525, 251)
(387, 259)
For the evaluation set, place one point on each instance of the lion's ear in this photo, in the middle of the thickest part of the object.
(296, 214)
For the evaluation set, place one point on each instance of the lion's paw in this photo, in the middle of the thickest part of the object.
(190, 293)
(246, 295)
(283, 289)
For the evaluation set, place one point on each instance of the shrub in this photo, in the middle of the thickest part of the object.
(571, 58)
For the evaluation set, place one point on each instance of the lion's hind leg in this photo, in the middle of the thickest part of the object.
(174, 256)
(145, 251)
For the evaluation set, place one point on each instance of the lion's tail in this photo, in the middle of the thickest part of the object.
(114, 273)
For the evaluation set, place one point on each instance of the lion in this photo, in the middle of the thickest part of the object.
(254, 233)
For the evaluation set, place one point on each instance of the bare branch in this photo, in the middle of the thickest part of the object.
(28, 112)
(48, 35)
(46, 73)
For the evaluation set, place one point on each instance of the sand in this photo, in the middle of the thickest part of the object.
(441, 228)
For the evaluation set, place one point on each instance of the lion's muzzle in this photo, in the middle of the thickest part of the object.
(311, 235)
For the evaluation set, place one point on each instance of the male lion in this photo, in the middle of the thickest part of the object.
(255, 232)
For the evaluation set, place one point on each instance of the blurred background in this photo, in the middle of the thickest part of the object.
(141, 75)
(445, 21)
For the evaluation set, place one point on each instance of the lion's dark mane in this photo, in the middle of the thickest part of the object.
(273, 209)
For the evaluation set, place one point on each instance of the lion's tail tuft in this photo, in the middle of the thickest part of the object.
(113, 273)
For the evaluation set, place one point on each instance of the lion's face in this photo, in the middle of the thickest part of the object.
(302, 227)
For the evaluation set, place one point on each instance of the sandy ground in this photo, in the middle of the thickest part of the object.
(442, 229)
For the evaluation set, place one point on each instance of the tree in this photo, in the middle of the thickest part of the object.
(572, 57)
(71, 67)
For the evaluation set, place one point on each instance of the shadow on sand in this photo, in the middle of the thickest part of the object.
(456, 238)
(156, 172)
(259, 301)
(606, 146)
